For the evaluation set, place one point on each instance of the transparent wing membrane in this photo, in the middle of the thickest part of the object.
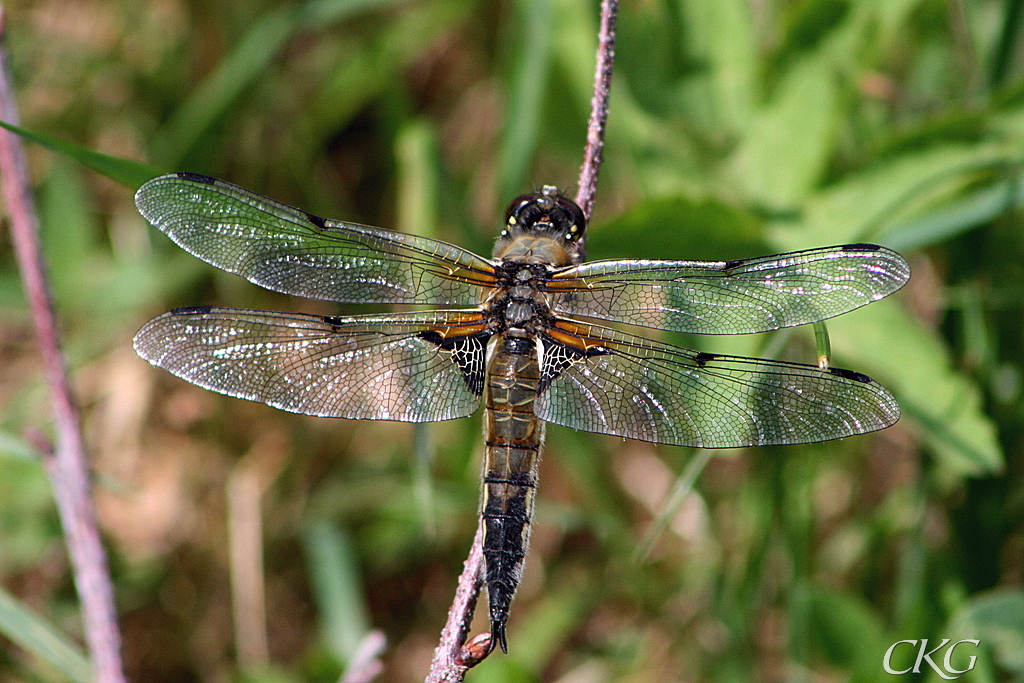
(516, 342)
(287, 250)
(605, 381)
(413, 367)
(731, 297)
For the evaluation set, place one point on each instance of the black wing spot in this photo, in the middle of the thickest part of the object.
(702, 358)
(851, 375)
(432, 337)
(192, 310)
(732, 265)
(196, 177)
(332, 320)
(319, 222)
(468, 353)
(861, 246)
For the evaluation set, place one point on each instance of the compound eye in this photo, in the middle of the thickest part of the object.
(517, 205)
(575, 214)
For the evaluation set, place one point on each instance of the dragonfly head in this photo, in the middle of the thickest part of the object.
(545, 214)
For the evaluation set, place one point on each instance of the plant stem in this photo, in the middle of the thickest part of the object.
(453, 657)
(66, 465)
(594, 151)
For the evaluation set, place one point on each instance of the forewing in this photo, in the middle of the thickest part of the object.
(600, 380)
(412, 367)
(731, 297)
(294, 252)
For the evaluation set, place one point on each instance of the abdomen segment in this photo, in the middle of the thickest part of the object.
(514, 436)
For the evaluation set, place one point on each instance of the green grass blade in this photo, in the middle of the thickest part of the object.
(320, 12)
(680, 490)
(127, 172)
(822, 344)
(14, 447)
(971, 211)
(526, 95)
(886, 342)
(214, 95)
(35, 635)
(246, 64)
(337, 588)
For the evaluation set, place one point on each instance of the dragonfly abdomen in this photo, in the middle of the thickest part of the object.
(514, 436)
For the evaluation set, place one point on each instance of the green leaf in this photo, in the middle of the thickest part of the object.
(35, 635)
(337, 588)
(888, 343)
(846, 629)
(526, 96)
(130, 173)
(996, 618)
(969, 211)
(677, 226)
(868, 206)
(721, 35)
(788, 143)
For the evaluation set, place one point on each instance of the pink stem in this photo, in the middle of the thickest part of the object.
(67, 465)
(594, 151)
(453, 657)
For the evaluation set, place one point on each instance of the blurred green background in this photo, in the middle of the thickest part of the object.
(252, 545)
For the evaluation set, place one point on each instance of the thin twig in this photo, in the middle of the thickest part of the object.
(67, 465)
(453, 657)
(594, 151)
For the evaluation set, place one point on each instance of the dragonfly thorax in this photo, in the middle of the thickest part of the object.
(542, 227)
(520, 300)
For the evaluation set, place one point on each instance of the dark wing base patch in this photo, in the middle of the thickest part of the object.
(468, 353)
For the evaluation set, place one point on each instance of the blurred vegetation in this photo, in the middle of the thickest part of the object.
(737, 128)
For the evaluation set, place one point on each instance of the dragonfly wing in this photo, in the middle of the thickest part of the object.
(601, 380)
(287, 250)
(731, 297)
(412, 367)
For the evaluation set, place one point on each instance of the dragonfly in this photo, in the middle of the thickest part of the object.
(523, 332)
